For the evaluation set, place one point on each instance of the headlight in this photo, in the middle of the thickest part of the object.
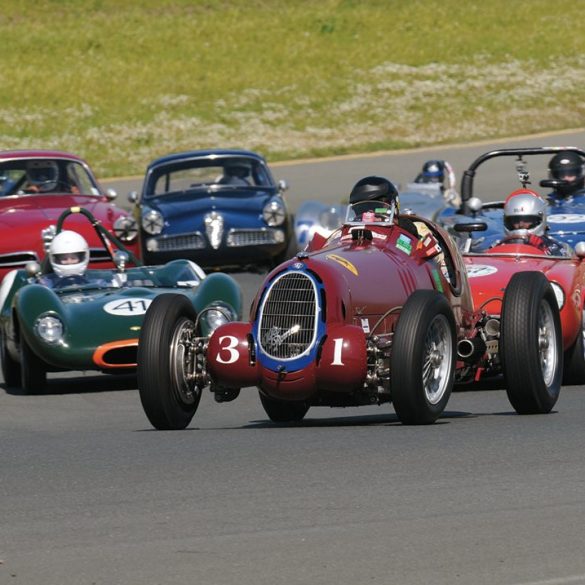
(218, 314)
(152, 222)
(559, 294)
(126, 228)
(49, 328)
(274, 213)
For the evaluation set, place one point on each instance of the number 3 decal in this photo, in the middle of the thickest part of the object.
(230, 347)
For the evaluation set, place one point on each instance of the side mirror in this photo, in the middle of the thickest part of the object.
(133, 196)
(580, 249)
(32, 268)
(470, 227)
(111, 194)
(282, 185)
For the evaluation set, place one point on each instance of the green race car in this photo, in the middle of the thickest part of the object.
(49, 323)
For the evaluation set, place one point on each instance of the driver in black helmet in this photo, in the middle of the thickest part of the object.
(567, 167)
(381, 189)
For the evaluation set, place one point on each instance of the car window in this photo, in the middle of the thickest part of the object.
(9, 178)
(79, 180)
(201, 174)
(30, 176)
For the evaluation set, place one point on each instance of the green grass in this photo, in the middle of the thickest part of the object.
(123, 82)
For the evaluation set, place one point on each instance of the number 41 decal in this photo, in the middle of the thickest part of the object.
(129, 307)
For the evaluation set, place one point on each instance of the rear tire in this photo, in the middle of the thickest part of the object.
(10, 367)
(574, 371)
(531, 344)
(423, 358)
(169, 399)
(283, 411)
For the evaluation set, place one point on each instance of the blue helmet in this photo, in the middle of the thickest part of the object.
(433, 171)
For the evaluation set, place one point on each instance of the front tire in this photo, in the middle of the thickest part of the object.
(169, 398)
(33, 370)
(531, 344)
(423, 358)
(283, 411)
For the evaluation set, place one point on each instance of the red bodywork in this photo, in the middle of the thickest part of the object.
(24, 216)
(366, 279)
(489, 274)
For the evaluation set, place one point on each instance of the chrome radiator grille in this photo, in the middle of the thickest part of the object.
(193, 241)
(288, 317)
(237, 238)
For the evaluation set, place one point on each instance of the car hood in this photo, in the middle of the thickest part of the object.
(230, 201)
(46, 209)
(489, 274)
(26, 217)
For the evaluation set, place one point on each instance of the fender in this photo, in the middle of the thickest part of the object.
(230, 358)
(342, 366)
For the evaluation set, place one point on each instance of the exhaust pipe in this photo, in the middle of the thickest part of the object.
(470, 350)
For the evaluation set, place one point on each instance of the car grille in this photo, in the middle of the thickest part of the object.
(193, 241)
(288, 316)
(236, 238)
(99, 255)
(17, 259)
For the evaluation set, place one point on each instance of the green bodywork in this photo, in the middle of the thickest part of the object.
(82, 308)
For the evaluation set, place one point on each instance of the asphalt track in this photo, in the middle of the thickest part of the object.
(90, 494)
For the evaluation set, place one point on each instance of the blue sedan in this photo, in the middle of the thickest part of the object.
(219, 208)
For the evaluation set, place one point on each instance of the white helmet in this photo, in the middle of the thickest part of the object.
(524, 214)
(69, 254)
(44, 174)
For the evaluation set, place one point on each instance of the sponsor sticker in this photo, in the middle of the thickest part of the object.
(404, 243)
(437, 279)
(127, 307)
(345, 263)
(366, 325)
(475, 270)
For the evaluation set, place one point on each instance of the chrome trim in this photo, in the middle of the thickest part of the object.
(13, 258)
(288, 316)
(189, 241)
(251, 237)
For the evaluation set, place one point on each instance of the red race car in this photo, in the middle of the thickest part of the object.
(492, 272)
(377, 313)
(35, 187)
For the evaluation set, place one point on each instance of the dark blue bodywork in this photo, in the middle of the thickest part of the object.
(566, 215)
(235, 233)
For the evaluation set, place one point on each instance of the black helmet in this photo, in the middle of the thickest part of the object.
(433, 171)
(567, 166)
(374, 189)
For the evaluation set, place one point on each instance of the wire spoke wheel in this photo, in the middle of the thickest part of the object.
(182, 361)
(423, 358)
(438, 358)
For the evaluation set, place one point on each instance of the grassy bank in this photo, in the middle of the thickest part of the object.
(122, 82)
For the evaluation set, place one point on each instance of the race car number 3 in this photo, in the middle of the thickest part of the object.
(228, 352)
